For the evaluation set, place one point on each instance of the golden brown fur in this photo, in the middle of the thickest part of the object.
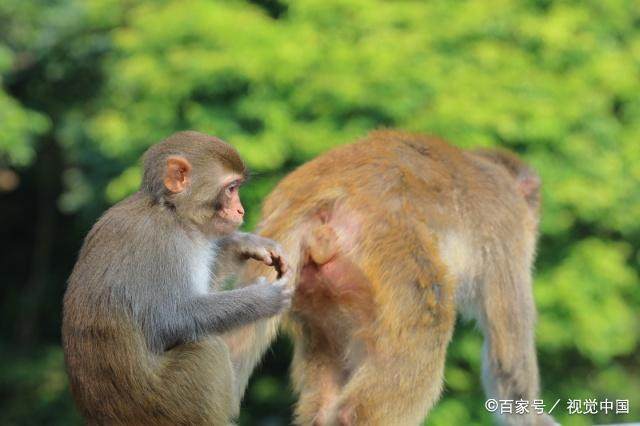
(389, 238)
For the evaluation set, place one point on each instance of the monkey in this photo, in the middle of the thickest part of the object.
(389, 238)
(143, 313)
(528, 181)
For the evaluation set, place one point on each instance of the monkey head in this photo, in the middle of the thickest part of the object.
(198, 177)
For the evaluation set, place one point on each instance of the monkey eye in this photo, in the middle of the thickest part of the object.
(232, 188)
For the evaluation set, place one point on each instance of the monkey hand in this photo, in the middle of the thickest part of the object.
(278, 294)
(251, 246)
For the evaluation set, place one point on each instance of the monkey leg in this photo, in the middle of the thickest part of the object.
(196, 384)
(507, 318)
(246, 346)
(399, 383)
(189, 384)
(398, 373)
(379, 305)
(316, 379)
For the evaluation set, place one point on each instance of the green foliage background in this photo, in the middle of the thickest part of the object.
(86, 86)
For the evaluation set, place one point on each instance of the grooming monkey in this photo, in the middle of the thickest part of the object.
(142, 320)
(400, 232)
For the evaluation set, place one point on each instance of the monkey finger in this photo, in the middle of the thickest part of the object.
(278, 263)
(283, 263)
(285, 279)
(278, 252)
(261, 255)
(288, 293)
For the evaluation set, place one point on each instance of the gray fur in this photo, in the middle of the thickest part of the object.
(137, 260)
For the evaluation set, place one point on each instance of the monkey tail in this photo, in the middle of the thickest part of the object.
(528, 180)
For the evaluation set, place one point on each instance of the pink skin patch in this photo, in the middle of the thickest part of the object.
(329, 277)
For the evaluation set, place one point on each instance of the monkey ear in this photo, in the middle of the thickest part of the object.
(178, 174)
(528, 183)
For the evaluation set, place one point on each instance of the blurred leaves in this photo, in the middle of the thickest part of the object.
(556, 81)
(593, 278)
(19, 128)
(34, 389)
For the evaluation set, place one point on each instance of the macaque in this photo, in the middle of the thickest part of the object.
(389, 238)
(143, 312)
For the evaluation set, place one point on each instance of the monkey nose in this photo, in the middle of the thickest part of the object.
(241, 211)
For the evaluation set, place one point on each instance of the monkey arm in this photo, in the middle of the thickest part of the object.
(225, 310)
(227, 261)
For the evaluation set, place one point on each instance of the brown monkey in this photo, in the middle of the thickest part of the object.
(528, 181)
(389, 238)
(141, 322)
